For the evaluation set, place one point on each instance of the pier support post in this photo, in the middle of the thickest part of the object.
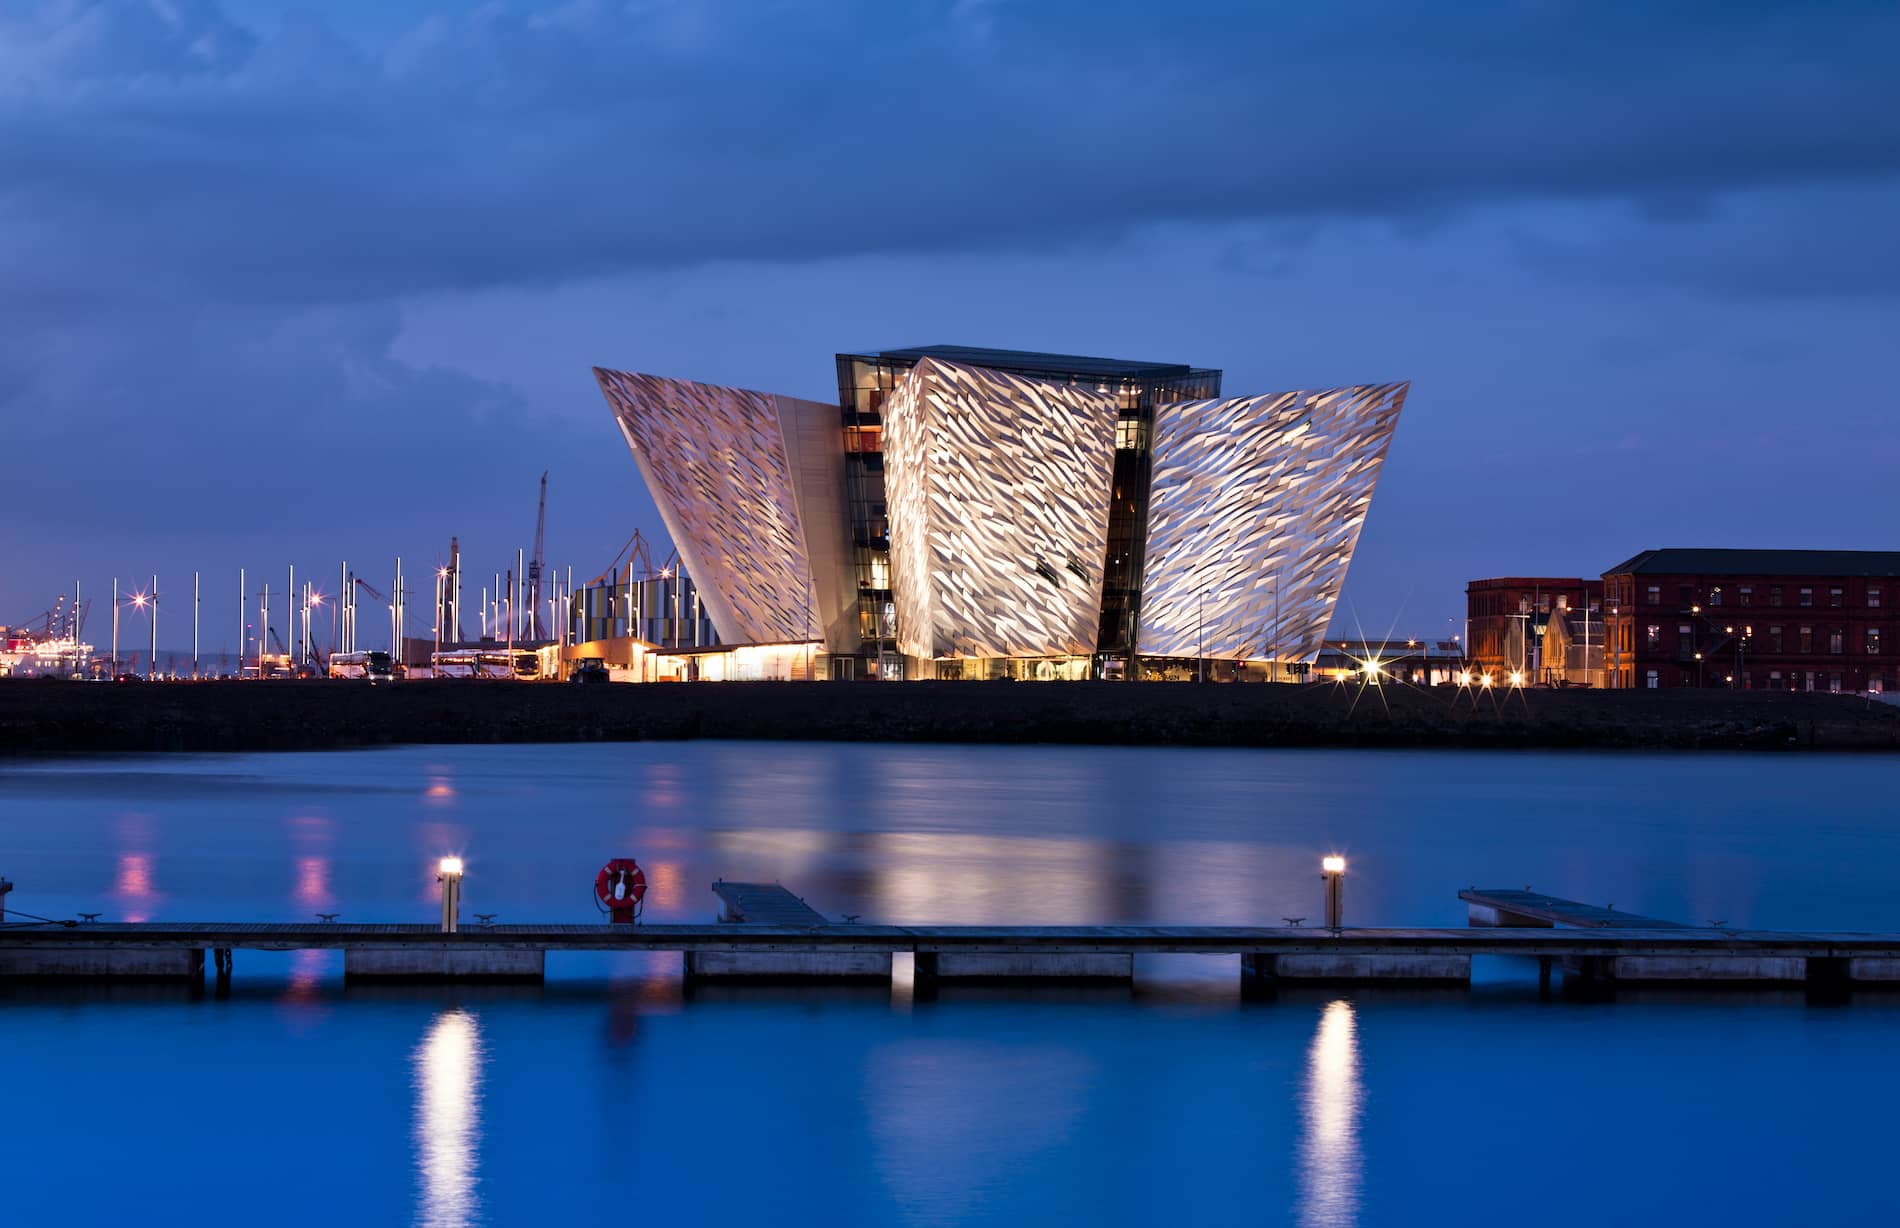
(1101, 966)
(1355, 967)
(175, 963)
(1607, 969)
(5, 887)
(444, 963)
(788, 965)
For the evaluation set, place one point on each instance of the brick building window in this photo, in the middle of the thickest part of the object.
(1807, 597)
(1654, 640)
(1654, 681)
(1747, 594)
(1875, 685)
(1715, 595)
(1834, 684)
(1774, 594)
(1774, 680)
(1835, 640)
(1774, 640)
(1655, 595)
(1873, 641)
(1873, 597)
(1837, 597)
(1807, 640)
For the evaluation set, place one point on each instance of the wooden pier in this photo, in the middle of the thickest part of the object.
(807, 944)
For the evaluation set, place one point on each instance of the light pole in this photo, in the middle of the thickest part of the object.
(151, 661)
(1276, 626)
(1332, 868)
(1616, 645)
(115, 628)
(449, 874)
(1200, 637)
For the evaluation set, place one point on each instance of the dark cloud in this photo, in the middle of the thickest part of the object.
(523, 143)
(1788, 243)
(209, 212)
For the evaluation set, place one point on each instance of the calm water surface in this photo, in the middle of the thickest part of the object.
(608, 1094)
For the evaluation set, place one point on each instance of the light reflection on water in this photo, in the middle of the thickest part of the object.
(448, 1120)
(1329, 1147)
(1178, 1102)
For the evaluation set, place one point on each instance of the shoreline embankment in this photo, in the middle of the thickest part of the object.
(39, 718)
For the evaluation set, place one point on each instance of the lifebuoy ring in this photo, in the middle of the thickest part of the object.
(620, 888)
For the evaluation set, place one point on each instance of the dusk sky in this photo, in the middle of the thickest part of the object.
(295, 282)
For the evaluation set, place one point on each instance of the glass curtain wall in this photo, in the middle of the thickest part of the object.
(864, 384)
(1128, 509)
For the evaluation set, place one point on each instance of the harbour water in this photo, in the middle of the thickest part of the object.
(609, 1092)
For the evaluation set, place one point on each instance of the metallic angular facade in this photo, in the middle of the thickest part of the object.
(749, 485)
(998, 489)
(1255, 506)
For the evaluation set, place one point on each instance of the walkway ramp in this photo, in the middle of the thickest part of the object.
(1502, 906)
(764, 904)
(770, 904)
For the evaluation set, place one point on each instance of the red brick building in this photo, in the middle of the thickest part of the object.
(1505, 620)
(1797, 620)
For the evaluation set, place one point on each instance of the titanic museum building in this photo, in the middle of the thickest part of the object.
(973, 513)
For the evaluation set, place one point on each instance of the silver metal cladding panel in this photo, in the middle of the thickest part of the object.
(1253, 498)
(998, 493)
(716, 462)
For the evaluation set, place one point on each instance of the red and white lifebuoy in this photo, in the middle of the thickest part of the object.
(620, 888)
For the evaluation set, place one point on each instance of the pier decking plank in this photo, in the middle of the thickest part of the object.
(831, 936)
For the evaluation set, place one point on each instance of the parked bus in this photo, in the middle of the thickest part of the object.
(487, 663)
(373, 666)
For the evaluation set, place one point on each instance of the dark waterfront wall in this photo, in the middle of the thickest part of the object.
(44, 717)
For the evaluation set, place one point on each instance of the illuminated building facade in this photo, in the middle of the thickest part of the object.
(973, 513)
(1763, 620)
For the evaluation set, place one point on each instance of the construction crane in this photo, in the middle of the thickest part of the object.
(638, 557)
(369, 588)
(534, 563)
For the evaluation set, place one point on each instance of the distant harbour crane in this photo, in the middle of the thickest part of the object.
(533, 601)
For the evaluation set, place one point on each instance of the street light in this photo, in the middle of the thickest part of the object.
(1200, 636)
(449, 874)
(1332, 868)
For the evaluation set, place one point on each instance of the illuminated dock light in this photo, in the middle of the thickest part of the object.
(1332, 868)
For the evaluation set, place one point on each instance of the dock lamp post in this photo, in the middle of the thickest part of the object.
(450, 876)
(1333, 870)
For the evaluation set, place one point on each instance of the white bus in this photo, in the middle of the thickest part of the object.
(487, 663)
(371, 665)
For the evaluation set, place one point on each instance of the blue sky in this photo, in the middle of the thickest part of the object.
(288, 283)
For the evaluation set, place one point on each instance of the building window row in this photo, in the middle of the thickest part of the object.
(1834, 595)
(1774, 640)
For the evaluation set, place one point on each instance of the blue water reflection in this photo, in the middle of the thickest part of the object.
(1178, 1102)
